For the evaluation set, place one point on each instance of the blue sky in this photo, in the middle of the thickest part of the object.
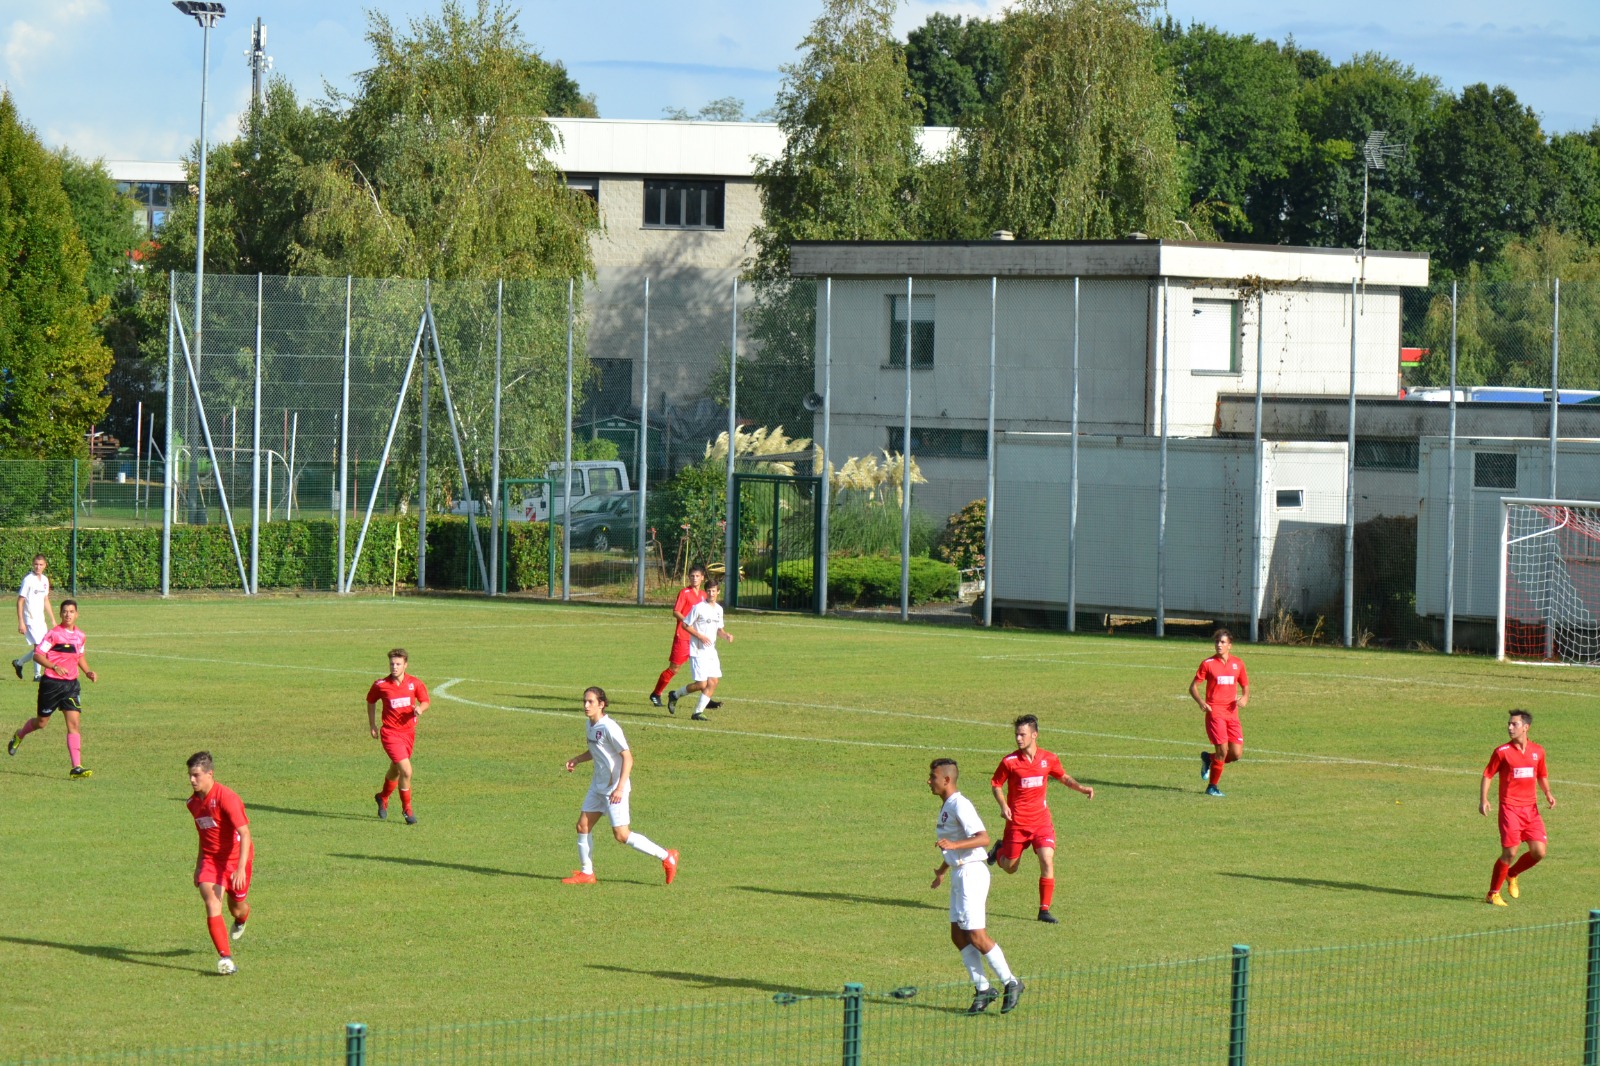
(119, 79)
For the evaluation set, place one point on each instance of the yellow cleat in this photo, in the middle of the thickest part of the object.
(1512, 889)
(1494, 898)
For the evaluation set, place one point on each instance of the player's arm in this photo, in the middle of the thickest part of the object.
(1483, 792)
(83, 664)
(1197, 692)
(372, 718)
(622, 779)
(1243, 686)
(422, 702)
(980, 839)
(1000, 798)
(573, 762)
(1087, 790)
(725, 635)
(1544, 783)
(247, 850)
(42, 659)
(49, 611)
(22, 603)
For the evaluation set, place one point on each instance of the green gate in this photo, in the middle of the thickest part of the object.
(777, 523)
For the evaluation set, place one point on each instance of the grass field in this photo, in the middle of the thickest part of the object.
(801, 812)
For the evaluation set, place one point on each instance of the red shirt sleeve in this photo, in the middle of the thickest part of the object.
(1058, 771)
(373, 695)
(231, 807)
(1200, 672)
(1244, 676)
(1495, 764)
(422, 691)
(1544, 765)
(1000, 775)
(682, 604)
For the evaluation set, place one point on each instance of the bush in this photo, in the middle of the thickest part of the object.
(861, 525)
(870, 580)
(961, 543)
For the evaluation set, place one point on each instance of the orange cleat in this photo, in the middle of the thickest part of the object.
(1494, 898)
(1512, 888)
(670, 865)
(578, 878)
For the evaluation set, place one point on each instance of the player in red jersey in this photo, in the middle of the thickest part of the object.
(403, 698)
(1227, 689)
(688, 596)
(1518, 763)
(1026, 773)
(227, 853)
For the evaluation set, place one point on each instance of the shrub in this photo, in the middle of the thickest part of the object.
(861, 525)
(871, 580)
(961, 543)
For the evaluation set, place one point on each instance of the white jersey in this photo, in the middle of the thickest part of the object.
(706, 621)
(606, 745)
(34, 594)
(958, 820)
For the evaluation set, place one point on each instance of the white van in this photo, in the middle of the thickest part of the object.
(589, 477)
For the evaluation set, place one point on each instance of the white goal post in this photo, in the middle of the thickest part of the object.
(1549, 595)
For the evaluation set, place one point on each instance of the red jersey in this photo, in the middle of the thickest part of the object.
(687, 598)
(1223, 682)
(1026, 780)
(1517, 770)
(399, 699)
(217, 816)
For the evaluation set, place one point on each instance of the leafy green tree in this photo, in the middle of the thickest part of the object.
(956, 67)
(722, 109)
(1081, 143)
(1235, 116)
(53, 364)
(1573, 198)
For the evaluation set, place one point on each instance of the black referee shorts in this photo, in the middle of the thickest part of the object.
(56, 694)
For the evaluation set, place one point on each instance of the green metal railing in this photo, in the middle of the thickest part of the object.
(1527, 995)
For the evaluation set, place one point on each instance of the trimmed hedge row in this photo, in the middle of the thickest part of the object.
(295, 554)
(871, 580)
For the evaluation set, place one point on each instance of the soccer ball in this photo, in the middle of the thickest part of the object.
(225, 965)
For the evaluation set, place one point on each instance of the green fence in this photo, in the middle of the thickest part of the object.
(1524, 995)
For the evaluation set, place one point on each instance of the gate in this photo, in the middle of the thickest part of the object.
(777, 523)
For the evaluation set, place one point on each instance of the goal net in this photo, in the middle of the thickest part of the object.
(1549, 581)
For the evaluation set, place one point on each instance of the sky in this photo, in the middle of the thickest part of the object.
(120, 79)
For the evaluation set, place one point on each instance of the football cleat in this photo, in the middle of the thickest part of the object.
(670, 865)
(672, 702)
(238, 931)
(383, 805)
(1512, 889)
(578, 878)
(1213, 790)
(411, 819)
(1048, 918)
(655, 699)
(15, 665)
(1494, 898)
(78, 773)
(225, 965)
(697, 716)
(713, 705)
(981, 998)
(1205, 766)
(1014, 990)
(13, 744)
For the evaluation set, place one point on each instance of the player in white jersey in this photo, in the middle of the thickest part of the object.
(608, 792)
(34, 616)
(704, 623)
(961, 841)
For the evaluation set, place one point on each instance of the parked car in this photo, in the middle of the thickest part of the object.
(602, 520)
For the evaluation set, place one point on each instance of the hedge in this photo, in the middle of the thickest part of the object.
(871, 580)
(295, 554)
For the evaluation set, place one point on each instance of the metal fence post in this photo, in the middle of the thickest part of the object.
(168, 489)
(566, 484)
(344, 432)
(1072, 482)
(355, 1044)
(905, 474)
(1591, 998)
(1555, 379)
(1350, 486)
(1161, 484)
(73, 576)
(1258, 544)
(852, 1025)
(641, 454)
(422, 452)
(827, 456)
(1239, 1005)
(1450, 498)
(255, 457)
(988, 500)
(496, 513)
(730, 557)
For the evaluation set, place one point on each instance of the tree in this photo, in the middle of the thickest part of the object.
(956, 67)
(722, 109)
(1081, 144)
(1573, 199)
(53, 364)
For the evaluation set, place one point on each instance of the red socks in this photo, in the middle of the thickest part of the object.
(218, 927)
(1498, 878)
(1527, 860)
(1216, 770)
(405, 800)
(663, 681)
(388, 790)
(1047, 892)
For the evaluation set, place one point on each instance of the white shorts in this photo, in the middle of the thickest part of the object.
(36, 631)
(705, 664)
(969, 895)
(598, 801)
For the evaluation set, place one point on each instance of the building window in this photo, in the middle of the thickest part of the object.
(1291, 498)
(1494, 470)
(1214, 337)
(921, 331)
(678, 204)
(154, 198)
(1387, 455)
(941, 443)
(589, 187)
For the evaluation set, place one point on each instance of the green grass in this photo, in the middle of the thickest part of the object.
(801, 812)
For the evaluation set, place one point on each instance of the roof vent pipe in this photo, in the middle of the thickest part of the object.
(1002, 235)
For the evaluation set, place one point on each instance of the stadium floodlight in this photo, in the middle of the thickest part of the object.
(202, 11)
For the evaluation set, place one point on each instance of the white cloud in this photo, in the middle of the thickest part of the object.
(29, 43)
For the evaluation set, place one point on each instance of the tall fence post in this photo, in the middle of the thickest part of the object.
(1450, 498)
(496, 512)
(1258, 543)
(344, 432)
(422, 454)
(169, 494)
(255, 455)
(1239, 1005)
(642, 452)
(1555, 382)
(852, 1025)
(566, 483)
(905, 473)
(355, 1044)
(73, 576)
(1591, 998)
(1161, 486)
(730, 557)
(1072, 480)
(1350, 486)
(827, 455)
(988, 445)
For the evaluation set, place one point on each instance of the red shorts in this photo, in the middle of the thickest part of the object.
(398, 743)
(212, 872)
(1223, 728)
(1520, 823)
(680, 651)
(1018, 838)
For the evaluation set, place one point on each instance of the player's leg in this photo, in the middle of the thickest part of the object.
(1510, 838)
(584, 874)
(1235, 750)
(1530, 858)
(1217, 731)
(74, 741)
(1008, 853)
(403, 779)
(708, 689)
(37, 722)
(211, 896)
(391, 779)
(238, 899)
(675, 660)
(1047, 878)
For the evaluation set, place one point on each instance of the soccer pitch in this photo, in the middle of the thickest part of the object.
(801, 811)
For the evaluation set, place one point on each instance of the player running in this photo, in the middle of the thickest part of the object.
(688, 596)
(705, 665)
(60, 653)
(403, 697)
(608, 792)
(1026, 773)
(1518, 763)
(1227, 689)
(961, 839)
(227, 852)
(34, 616)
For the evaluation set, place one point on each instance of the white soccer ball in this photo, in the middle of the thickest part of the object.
(225, 965)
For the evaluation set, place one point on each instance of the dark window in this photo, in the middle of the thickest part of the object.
(941, 443)
(589, 187)
(1291, 497)
(1494, 470)
(921, 331)
(679, 204)
(1387, 455)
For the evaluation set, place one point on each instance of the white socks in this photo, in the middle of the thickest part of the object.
(705, 701)
(586, 853)
(640, 842)
(997, 959)
(973, 960)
